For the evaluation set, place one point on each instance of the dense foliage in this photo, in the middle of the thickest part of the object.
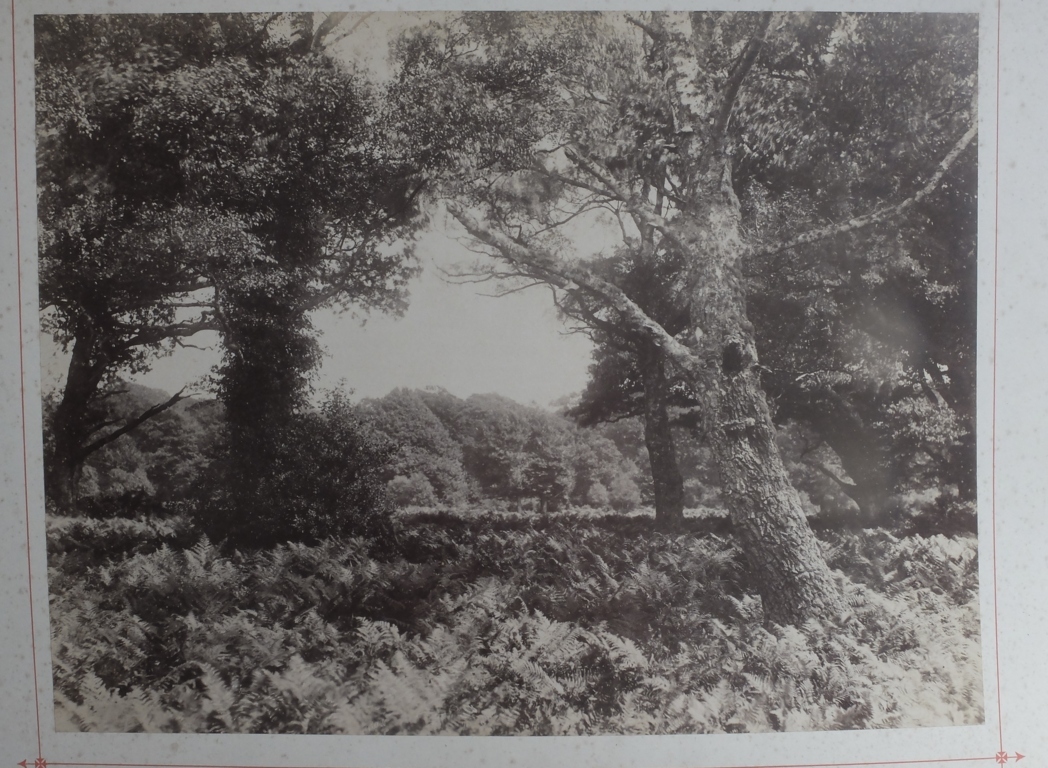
(499, 625)
(730, 151)
(205, 173)
(324, 476)
(424, 448)
(488, 447)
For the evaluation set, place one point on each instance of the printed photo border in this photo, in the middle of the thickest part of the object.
(1010, 484)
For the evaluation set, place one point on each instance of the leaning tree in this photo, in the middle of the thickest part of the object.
(651, 118)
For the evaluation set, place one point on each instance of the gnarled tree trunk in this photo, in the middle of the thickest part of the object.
(69, 428)
(791, 574)
(792, 577)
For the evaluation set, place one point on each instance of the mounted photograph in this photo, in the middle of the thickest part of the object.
(510, 373)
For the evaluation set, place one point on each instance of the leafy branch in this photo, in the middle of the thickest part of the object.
(874, 217)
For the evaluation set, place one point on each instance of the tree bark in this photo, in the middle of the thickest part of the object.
(68, 424)
(658, 437)
(78, 418)
(791, 575)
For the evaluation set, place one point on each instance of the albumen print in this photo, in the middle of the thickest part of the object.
(503, 373)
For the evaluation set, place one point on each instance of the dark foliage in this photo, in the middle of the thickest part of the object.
(325, 476)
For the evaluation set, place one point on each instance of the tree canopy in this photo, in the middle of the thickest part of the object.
(205, 173)
(757, 217)
(730, 138)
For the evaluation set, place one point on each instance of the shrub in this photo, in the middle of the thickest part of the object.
(325, 476)
(412, 491)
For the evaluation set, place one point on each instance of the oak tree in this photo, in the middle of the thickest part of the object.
(654, 118)
(204, 173)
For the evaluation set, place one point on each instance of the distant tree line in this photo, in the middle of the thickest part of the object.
(419, 448)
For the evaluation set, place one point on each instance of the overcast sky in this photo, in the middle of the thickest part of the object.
(452, 336)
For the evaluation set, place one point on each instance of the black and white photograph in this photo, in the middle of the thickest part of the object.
(502, 373)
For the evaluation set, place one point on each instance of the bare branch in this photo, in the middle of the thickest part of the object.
(509, 291)
(331, 21)
(143, 417)
(580, 184)
(585, 314)
(650, 31)
(739, 70)
(185, 345)
(833, 476)
(631, 204)
(156, 334)
(574, 278)
(875, 217)
(554, 224)
(466, 278)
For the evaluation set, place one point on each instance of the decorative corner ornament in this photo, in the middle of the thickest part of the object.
(1003, 757)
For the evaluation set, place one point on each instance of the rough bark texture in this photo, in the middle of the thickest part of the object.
(794, 581)
(791, 574)
(78, 427)
(789, 571)
(658, 437)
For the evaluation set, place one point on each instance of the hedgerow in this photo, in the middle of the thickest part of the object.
(563, 625)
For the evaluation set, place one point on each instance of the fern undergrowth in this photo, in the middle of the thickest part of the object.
(471, 625)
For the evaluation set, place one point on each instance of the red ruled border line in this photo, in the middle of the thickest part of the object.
(993, 390)
(1001, 757)
(761, 765)
(21, 381)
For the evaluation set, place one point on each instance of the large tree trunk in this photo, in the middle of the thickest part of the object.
(790, 572)
(792, 577)
(658, 437)
(69, 428)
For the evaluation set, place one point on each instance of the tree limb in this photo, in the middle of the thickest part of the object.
(649, 30)
(143, 417)
(833, 476)
(588, 316)
(157, 334)
(510, 291)
(580, 184)
(331, 21)
(739, 71)
(613, 191)
(575, 278)
(875, 217)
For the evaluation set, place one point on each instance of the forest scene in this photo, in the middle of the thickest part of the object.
(754, 509)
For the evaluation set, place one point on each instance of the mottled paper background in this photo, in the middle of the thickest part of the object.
(1020, 410)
